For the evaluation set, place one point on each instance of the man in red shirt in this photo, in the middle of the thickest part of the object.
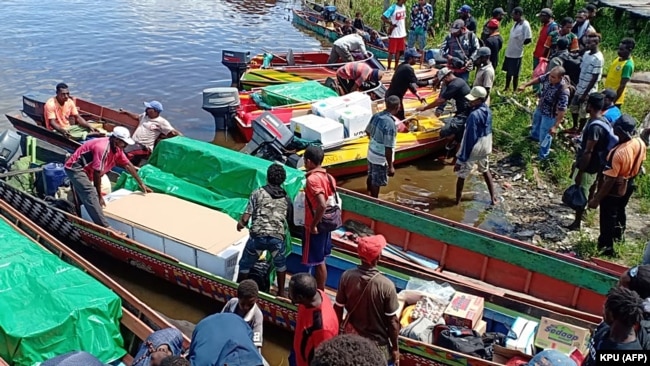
(86, 166)
(549, 25)
(319, 189)
(316, 321)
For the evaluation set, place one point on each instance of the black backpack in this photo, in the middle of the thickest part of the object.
(461, 339)
(260, 274)
(571, 65)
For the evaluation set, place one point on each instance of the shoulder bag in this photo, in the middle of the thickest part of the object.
(331, 219)
(344, 323)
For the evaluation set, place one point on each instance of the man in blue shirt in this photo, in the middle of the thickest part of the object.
(610, 111)
(381, 148)
(421, 15)
(476, 144)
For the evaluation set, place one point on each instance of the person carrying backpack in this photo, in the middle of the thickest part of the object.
(564, 58)
(552, 106)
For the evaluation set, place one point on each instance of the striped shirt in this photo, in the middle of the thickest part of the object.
(96, 154)
(357, 71)
(592, 64)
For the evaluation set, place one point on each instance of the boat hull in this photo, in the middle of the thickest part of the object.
(275, 311)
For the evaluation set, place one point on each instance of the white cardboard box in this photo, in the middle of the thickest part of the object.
(328, 107)
(354, 119)
(312, 127)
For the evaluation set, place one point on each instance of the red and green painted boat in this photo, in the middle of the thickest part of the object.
(138, 320)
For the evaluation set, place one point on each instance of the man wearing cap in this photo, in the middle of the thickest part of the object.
(617, 183)
(476, 144)
(395, 18)
(551, 108)
(86, 166)
(404, 79)
(465, 14)
(610, 111)
(151, 126)
(343, 47)
(485, 71)
(421, 15)
(459, 47)
(381, 148)
(493, 41)
(370, 300)
(353, 74)
(520, 35)
(497, 17)
(57, 112)
(545, 17)
(455, 88)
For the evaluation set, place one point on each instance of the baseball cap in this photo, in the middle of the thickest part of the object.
(498, 11)
(483, 51)
(609, 94)
(465, 9)
(546, 11)
(493, 24)
(626, 123)
(411, 52)
(123, 134)
(370, 247)
(457, 25)
(155, 105)
(518, 10)
(551, 357)
(442, 73)
(475, 93)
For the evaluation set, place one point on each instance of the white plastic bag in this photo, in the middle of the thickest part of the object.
(299, 209)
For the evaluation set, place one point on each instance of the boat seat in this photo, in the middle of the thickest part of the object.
(290, 59)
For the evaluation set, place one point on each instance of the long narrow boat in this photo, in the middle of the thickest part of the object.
(499, 311)
(138, 320)
(30, 120)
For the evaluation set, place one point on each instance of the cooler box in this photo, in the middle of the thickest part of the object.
(355, 120)
(178, 228)
(328, 107)
(561, 336)
(312, 127)
(464, 310)
(357, 99)
(522, 335)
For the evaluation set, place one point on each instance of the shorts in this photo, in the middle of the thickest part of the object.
(320, 246)
(511, 66)
(254, 248)
(419, 36)
(396, 45)
(588, 180)
(377, 175)
(578, 107)
(467, 167)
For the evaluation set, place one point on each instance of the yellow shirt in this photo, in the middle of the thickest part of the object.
(62, 113)
(618, 70)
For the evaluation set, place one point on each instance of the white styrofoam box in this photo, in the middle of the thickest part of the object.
(355, 120)
(311, 127)
(149, 239)
(327, 107)
(222, 264)
(358, 99)
(117, 225)
(525, 332)
(181, 252)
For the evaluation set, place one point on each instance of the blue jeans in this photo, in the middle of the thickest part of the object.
(546, 124)
(254, 248)
(537, 123)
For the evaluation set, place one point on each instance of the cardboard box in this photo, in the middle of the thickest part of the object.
(354, 119)
(481, 327)
(502, 355)
(561, 336)
(524, 331)
(464, 310)
(311, 127)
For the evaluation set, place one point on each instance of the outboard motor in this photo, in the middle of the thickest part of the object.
(270, 138)
(9, 148)
(236, 62)
(329, 13)
(222, 104)
(34, 107)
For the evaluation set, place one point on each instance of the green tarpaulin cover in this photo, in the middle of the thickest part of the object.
(291, 93)
(48, 307)
(207, 174)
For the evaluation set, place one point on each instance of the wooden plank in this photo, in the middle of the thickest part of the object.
(417, 222)
(137, 326)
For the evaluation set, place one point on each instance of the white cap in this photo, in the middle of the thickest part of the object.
(477, 92)
(123, 134)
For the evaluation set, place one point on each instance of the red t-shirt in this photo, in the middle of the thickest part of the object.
(96, 154)
(317, 183)
(543, 34)
(313, 327)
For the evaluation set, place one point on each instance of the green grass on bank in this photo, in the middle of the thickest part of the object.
(511, 124)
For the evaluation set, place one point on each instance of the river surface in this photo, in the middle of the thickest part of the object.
(120, 53)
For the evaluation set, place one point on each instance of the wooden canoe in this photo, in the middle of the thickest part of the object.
(138, 320)
(500, 311)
